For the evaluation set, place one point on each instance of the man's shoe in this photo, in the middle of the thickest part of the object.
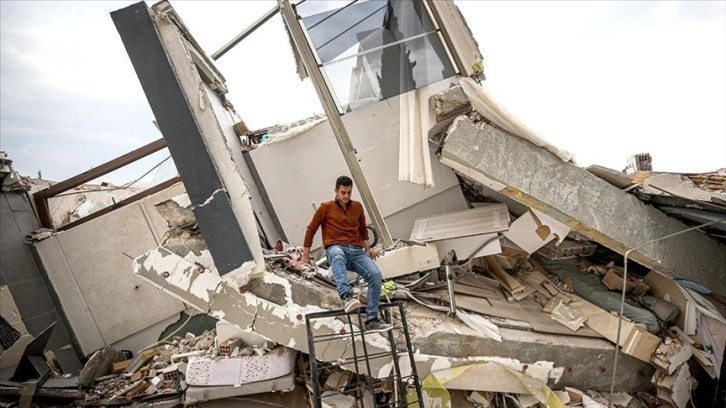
(377, 326)
(351, 303)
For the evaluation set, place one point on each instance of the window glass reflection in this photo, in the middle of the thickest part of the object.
(388, 72)
(336, 28)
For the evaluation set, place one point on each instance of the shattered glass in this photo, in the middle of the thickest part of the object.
(371, 50)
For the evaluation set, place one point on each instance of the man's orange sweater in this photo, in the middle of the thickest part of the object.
(340, 225)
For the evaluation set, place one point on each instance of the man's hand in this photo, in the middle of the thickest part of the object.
(305, 257)
(373, 253)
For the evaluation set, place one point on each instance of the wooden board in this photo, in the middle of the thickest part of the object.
(526, 311)
(510, 283)
(473, 291)
(492, 307)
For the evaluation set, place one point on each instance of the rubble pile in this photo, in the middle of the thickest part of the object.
(156, 372)
(161, 372)
(11, 180)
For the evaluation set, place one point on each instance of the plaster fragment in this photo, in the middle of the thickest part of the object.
(182, 200)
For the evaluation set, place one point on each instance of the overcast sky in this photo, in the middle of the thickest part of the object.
(604, 80)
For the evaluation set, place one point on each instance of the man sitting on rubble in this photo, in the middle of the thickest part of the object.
(345, 237)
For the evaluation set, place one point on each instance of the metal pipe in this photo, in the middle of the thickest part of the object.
(622, 298)
(449, 270)
(249, 30)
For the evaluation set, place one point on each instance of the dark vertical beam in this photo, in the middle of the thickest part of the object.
(165, 93)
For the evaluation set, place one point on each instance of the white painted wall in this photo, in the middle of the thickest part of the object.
(299, 173)
(89, 267)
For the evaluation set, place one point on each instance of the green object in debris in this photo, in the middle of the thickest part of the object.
(388, 288)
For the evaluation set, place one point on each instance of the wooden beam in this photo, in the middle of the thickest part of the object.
(149, 191)
(41, 197)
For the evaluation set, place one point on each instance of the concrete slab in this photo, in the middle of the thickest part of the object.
(440, 342)
(586, 362)
(285, 324)
(164, 60)
(592, 207)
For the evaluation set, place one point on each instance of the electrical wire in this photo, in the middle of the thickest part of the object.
(170, 334)
(122, 187)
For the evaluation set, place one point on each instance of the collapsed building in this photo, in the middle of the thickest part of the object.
(518, 272)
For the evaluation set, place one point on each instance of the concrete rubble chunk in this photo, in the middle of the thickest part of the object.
(531, 175)
(674, 390)
(97, 366)
(449, 102)
(671, 354)
(177, 212)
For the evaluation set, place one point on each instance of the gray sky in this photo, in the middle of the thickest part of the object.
(604, 80)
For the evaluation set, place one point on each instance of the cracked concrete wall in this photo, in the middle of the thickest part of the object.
(589, 205)
(163, 59)
(219, 147)
(88, 267)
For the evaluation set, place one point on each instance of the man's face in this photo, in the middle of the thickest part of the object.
(343, 194)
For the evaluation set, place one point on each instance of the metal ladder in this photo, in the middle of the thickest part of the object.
(395, 391)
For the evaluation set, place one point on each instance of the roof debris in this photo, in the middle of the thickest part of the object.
(523, 298)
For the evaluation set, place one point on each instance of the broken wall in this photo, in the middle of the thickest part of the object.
(299, 172)
(20, 273)
(89, 267)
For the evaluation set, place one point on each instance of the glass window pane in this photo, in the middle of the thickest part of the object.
(340, 29)
(388, 72)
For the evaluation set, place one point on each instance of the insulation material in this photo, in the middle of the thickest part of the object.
(414, 160)
(485, 104)
(591, 289)
(496, 377)
(204, 371)
(480, 324)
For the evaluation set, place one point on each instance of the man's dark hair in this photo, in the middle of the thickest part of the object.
(344, 181)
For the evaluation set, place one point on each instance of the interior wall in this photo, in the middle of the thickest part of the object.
(299, 172)
(90, 269)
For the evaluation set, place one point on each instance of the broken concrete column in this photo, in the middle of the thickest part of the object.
(166, 62)
(592, 207)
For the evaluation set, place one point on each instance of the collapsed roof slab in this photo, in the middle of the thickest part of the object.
(280, 317)
(586, 361)
(601, 212)
(274, 306)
